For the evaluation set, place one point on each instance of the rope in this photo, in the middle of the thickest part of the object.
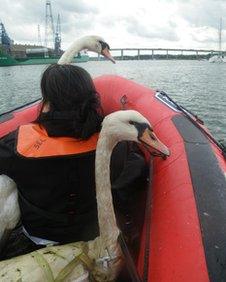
(42, 262)
(20, 107)
(197, 123)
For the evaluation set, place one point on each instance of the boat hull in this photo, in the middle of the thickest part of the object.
(183, 234)
(6, 60)
(217, 59)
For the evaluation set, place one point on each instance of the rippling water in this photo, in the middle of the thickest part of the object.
(197, 85)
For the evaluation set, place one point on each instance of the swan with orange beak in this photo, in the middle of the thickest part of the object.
(91, 43)
(137, 128)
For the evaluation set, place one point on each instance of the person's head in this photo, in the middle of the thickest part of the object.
(71, 98)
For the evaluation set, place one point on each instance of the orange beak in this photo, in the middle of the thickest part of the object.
(106, 53)
(153, 144)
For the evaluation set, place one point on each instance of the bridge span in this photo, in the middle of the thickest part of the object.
(152, 52)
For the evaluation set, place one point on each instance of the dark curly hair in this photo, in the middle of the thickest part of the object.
(74, 105)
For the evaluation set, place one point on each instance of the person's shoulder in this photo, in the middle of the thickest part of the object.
(8, 141)
(7, 153)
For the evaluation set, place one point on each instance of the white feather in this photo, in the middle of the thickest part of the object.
(9, 207)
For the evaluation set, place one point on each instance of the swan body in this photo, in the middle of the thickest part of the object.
(92, 43)
(102, 256)
(9, 211)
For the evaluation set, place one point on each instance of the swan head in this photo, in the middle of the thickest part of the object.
(98, 45)
(130, 125)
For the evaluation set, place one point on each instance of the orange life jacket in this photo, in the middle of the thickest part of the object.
(56, 196)
(34, 142)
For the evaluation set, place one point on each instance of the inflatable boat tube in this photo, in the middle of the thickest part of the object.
(184, 229)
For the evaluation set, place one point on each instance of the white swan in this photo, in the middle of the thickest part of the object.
(9, 208)
(102, 256)
(92, 43)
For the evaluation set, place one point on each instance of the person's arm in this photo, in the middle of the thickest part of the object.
(129, 172)
(127, 166)
(7, 153)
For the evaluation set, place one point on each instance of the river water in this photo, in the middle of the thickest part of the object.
(198, 85)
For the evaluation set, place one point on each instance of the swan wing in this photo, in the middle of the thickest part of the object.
(9, 207)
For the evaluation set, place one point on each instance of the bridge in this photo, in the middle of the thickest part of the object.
(152, 52)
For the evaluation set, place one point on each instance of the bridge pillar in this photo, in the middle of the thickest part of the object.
(181, 53)
(138, 54)
(122, 54)
(197, 55)
(152, 54)
(167, 54)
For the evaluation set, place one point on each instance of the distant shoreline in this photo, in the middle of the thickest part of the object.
(155, 57)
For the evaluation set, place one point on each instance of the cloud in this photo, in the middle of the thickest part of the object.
(79, 7)
(204, 35)
(203, 12)
(152, 32)
(161, 23)
(23, 18)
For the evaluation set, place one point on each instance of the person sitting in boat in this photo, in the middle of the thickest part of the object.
(52, 162)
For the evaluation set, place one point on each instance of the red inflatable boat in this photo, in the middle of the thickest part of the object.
(183, 235)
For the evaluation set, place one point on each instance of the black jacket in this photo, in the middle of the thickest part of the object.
(57, 194)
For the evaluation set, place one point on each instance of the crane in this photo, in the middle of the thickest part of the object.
(49, 26)
(58, 37)
(5, 40)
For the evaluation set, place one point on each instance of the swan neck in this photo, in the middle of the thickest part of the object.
(106, 217)
(69, 54)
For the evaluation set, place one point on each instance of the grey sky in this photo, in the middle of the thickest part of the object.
(125, 23)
